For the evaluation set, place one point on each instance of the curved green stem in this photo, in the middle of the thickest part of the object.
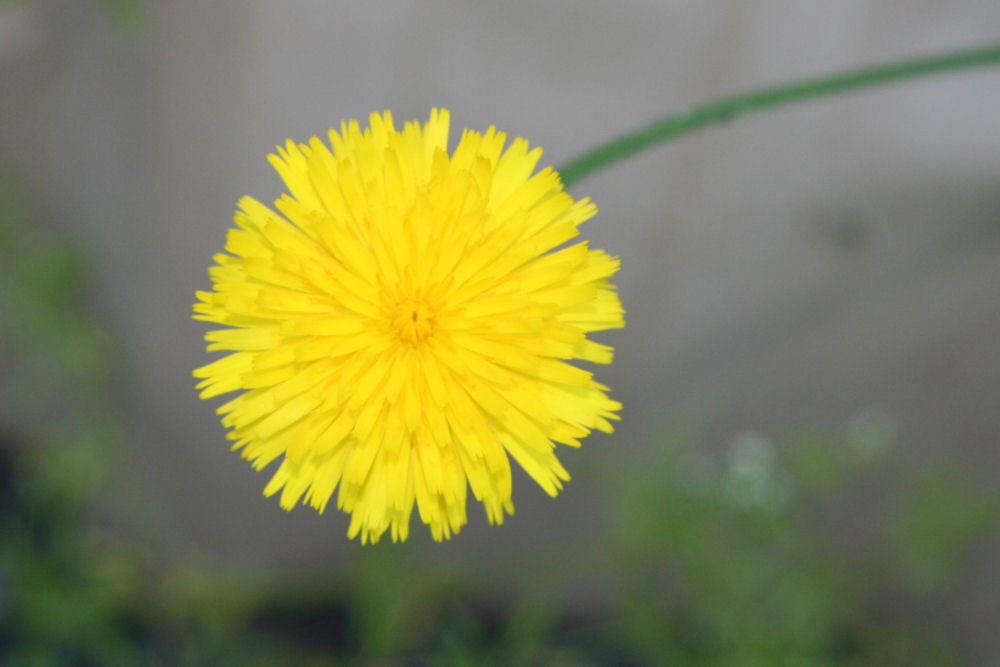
(728, 108)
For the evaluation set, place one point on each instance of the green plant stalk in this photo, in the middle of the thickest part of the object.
(728, 108)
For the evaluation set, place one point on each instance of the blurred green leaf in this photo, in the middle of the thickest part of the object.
(127, 14)
(942, 514)
(723, 562)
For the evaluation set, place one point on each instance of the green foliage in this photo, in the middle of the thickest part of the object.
(740, 555)
(67, 583)
(127, 14)
(941, 517)
(730, 558)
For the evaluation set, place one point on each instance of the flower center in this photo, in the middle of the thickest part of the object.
(413, 320)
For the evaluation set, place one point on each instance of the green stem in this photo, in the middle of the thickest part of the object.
(674, 125)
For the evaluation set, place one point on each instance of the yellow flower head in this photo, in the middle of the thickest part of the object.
(403, 322)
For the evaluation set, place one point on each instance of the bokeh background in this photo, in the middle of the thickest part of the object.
(806, 468)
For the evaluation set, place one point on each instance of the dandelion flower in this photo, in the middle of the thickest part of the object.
(403, 322)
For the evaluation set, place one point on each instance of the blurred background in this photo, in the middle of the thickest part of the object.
(805, 472)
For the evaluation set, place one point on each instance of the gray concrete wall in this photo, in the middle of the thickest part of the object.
(800, 267)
